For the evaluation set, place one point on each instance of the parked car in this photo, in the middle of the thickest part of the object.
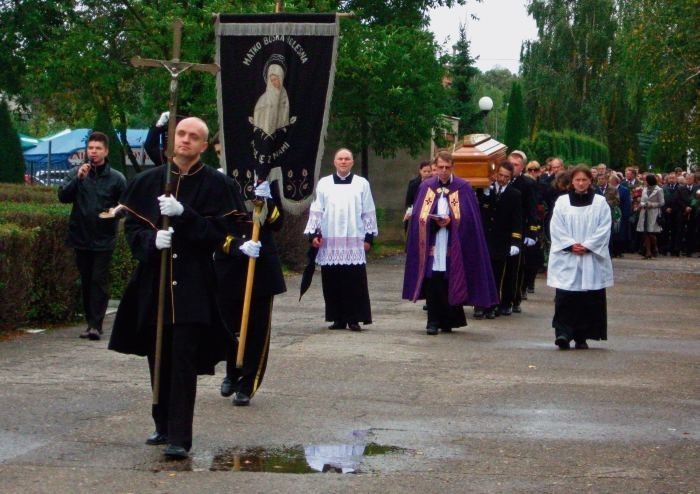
(50, 177)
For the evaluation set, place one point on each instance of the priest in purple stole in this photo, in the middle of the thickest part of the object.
(447, 260)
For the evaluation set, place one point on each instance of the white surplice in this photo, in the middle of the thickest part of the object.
(344, 213)
(586, 225)
(441, 237)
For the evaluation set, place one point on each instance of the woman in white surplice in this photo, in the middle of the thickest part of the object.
(579, 263)
(272, 109)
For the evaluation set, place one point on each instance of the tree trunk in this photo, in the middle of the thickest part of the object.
(365, 149)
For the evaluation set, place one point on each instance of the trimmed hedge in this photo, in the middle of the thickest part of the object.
(39, 282)
(572, 147)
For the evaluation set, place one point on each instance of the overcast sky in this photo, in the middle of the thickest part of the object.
(496, 37)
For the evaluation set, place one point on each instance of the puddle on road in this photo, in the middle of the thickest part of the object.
(298, 459)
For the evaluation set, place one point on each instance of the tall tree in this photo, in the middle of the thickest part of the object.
(516, 126)
(460, 92)
(388, 89)
(103, 123)
(12, 163)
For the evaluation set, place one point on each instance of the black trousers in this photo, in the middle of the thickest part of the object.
(580, 316)
(440, 313)
(174, 413)
(346, 293)
(519, 270)
(505, 273)
(257, 348)
(93, 267)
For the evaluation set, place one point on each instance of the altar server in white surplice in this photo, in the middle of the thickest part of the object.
(579, 263)
(342, 225)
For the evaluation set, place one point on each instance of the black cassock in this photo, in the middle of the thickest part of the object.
(231, 271)
(195, 337)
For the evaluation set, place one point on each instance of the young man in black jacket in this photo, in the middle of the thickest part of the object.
(92, 188)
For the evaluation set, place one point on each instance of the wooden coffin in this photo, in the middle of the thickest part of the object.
(475, 158)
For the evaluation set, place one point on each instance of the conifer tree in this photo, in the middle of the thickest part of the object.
(11, 158)
(516, 127)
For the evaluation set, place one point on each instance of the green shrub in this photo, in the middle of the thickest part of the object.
(16, 243)
(37, 264)
(570, 146)
(26, 193)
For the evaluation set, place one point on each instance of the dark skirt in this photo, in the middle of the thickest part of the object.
(580, 316)
(346, 294)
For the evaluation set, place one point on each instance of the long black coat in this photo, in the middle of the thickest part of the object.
(191, 283)
(528, 196)
(503, 221)
(232, 267)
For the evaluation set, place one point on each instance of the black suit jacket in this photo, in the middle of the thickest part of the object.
(528, 197)
(502, 218)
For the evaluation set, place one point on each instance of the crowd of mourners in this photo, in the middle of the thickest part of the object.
(652, 213)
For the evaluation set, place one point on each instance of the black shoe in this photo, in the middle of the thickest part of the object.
(432, 330)
(93, 334)
(491, 314)
(425, 306)
(446, 330)
(85, 334)
(157, 439)
(227, 387)
(505, 311)
(562, 343)
(337, 325)
(354, 326)
(517, 309)
(478, 313)
(531, 289)
(581, 345)
(240, 399)
(523, 296)
(176, 452)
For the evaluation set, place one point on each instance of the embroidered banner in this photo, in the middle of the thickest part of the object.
(274, 92)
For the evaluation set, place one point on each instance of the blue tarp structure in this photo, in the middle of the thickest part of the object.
(68, 149)
(27, 142)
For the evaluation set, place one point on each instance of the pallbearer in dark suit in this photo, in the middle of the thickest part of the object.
(501, 213)
(531, 224)
(231, 271)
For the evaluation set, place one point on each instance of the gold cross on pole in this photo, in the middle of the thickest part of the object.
(175, 67)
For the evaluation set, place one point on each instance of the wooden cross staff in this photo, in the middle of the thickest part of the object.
(175, 67)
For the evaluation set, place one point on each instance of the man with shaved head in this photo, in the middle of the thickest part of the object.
(194, 337)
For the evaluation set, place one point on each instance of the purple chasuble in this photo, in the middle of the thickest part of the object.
(470, 280)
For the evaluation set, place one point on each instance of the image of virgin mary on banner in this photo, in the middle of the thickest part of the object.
(274, 93)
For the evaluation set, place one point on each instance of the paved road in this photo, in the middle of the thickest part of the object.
(494, 407)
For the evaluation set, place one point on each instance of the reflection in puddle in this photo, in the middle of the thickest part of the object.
(327, 458)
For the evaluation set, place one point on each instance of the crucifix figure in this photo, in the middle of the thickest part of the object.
(175, 67)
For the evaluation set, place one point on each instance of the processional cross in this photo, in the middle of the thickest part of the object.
(175, 67)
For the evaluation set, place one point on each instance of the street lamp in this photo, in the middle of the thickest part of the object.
(486, 105)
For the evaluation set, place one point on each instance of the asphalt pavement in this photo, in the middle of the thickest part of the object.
(493, 407)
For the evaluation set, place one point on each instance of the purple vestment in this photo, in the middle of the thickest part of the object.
(469, 275)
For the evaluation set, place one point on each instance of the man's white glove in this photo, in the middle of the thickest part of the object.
(163, 119)
(169, 206)
(164, 239)
(487, 191)
(529, 242)
(250, 248)
(263, 190)
(514, 250)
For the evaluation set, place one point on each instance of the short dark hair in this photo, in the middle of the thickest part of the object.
(651, 179)
(98, 136)
(423, 164)
(581, 169)
(507, 165)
